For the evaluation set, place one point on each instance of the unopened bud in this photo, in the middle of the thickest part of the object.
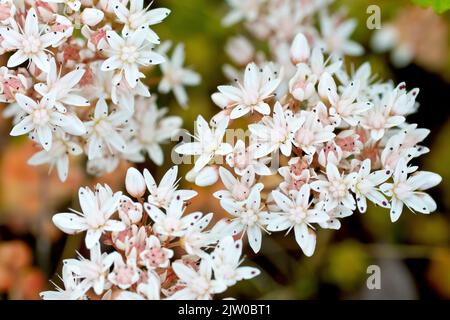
(135, 183)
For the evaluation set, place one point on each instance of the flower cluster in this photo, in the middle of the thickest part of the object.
(75, 80)
(175, 255)
(321, 142)
(275, 23)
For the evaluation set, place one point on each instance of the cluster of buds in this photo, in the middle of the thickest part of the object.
(320, 142)
(75, 80)
(172, 255)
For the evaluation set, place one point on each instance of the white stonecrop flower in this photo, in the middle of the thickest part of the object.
(208, 145)
(246, 10)
(58, 155)
(345, 106)
(175, 77)
(154, 255)
(127, 54)
(29, 42)
(73, 289)
(150, 128)
(226, 262)
(259, 85)
(93, 272)
(43, 119)
(172, 223)
(247, 217)
(97, 209)
(295, 213)
(103, 130)
(199, 285)
(125, 273)
(409, 190)
(276, 132)
(62, 88)
(366, 186)
(312, 133)
(237, 190)
(336, 187)
(162, 195)
(136, 16)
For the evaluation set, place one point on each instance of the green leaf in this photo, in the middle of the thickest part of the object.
(439, 6)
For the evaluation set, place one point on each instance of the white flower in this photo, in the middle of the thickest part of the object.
(125, 273)
(137, 17)
(296, 213)
(150, 128)
(241, 159)
(199, 285)
(29, 43)
(103, 130)
(126, 55)
(276, 132)
(240, 50)
(408, 190)
(62, 88)
(242, 10)
(345, 106)
(247, 217)
(130, 212)
(259, 85)
(226, 260)
(135, 183)
(97, 208)
(312, 133)
(209, 143)
(151, 288)
(73, 289)
(196, 238)
(237, 191)
(302, 85)
(43, 119)
(58, 155)
(175, 77)
(366, 186)
(154, 255)
(378, 119)
(171, 223)
(162, 195)
(93, 271)
(336, 188)
(336, 33)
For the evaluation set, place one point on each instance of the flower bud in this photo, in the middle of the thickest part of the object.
(135, 183)
(91, 16)
(300, 49)
(207, 176)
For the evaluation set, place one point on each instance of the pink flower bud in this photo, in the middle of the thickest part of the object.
(300, 49)
(91, 16)
(135, 183)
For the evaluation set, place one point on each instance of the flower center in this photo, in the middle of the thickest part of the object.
(338, 189)
(249, 217)
(129, 54)
(41, 116)
(31, 44)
